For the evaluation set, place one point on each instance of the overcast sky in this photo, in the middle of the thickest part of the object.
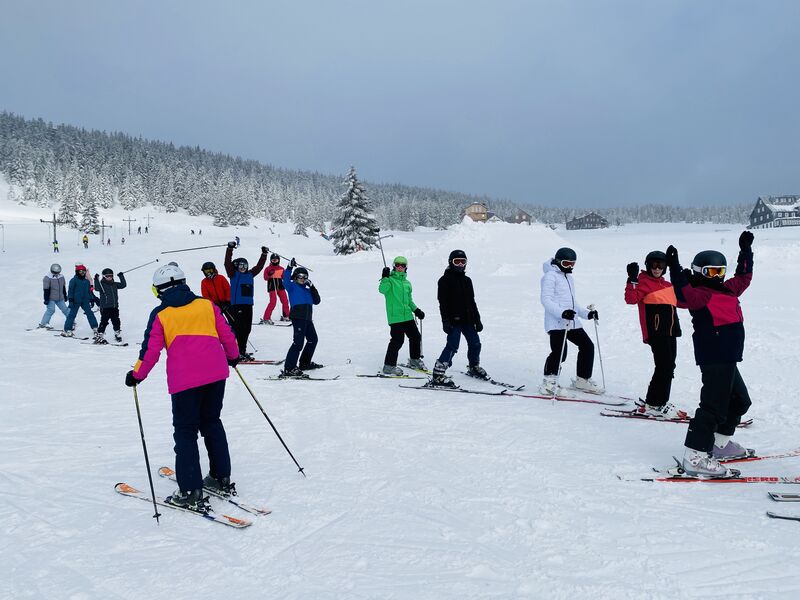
(586, 103)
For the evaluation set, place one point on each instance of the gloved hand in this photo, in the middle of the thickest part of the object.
(93, 301)
(447, 326)
(746, 241)
(120, 274)
(232, 362)
(308, 285)
(633, 272)
(478, 326)
(130, 380)
(231, 244)
(672, 257)
(592, 315)
(46, 302)
(292, 263)
(386, 272)
(264, 250)
(419, 314)
(568, 314)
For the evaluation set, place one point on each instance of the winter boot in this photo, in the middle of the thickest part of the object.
(729, 450)
(222, 486)
(285, 319)
(439, 378)
(40, 326)
(311, 366)
(68, 333)
(99, 338)
(702, 464)
(668, 411)
(416, 363)
(118, 335)
(392, 370)
(550, 386)
(194, 500)
(477, 371)
(267, 322)
(247, 357)
(587, 385)
(292, 374)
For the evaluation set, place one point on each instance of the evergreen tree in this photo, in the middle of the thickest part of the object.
(300, 219)
(90, 223)
(354, 227)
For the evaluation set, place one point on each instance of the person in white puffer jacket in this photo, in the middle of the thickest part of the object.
(561, 312)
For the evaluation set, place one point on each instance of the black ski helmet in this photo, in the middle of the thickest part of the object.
(709, 258)
(653, 257)
(55, 268)
(107, 271)
(456, 254)
(274, 256)
(208, 266)
(299, 271)
(565, 254)
(240, 262)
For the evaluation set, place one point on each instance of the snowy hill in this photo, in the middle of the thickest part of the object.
(410, 494)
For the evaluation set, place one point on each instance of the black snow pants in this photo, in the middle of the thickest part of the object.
(585, 351)
(723, 401)
(397, 332)
(106, 315)
(242, 316)
(665, 349)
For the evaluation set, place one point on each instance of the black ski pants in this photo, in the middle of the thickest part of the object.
(242, 322)
(723, 401)
(106, 315)
(304, 332)
(398, 333)
(585, 351)
(665, 349)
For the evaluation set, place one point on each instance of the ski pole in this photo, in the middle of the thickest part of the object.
(140, 266)
(198, 248)
(146, 458)
(419, 322)
(599, 353)
(263, 412)
(561, 360)
(297, 263)
(252, 345)
(380, 245)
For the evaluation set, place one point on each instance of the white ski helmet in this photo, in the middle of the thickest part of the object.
(168, 276)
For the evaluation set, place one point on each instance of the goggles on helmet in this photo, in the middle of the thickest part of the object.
(658, 264)
(567, 264)
(109, 275)
(399, 265)
(460, 262)
(301, 276)
(711, 271)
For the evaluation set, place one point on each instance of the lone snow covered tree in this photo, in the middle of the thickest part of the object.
(354, 226)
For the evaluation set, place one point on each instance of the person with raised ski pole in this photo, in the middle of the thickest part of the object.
(561, 312)
(242, 290)
(200, 347)
(109, 303)
(80, 296)
(718, 341)
(216, 288)
(273, 275)
(400, 312)
(460, 316)
(661, 328)
(303, 295)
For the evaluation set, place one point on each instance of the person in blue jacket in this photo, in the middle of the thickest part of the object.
(302, 298)
(242, 286)
(79, 295)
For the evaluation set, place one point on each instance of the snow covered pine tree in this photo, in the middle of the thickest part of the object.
(354, 226)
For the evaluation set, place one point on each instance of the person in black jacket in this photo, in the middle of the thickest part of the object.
(460, 316)
(109, 303)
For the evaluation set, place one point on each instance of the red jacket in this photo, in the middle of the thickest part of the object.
(217, 289)
(657, 302)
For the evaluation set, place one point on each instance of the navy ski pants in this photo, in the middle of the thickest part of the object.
(453, 341)
(304, 331)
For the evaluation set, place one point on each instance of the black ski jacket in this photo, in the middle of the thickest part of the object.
(457, 298)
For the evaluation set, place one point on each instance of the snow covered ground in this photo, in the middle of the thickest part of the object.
(409, 494)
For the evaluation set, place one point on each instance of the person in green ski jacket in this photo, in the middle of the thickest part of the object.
(400, 312)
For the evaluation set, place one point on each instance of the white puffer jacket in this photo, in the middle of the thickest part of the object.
(558, 295)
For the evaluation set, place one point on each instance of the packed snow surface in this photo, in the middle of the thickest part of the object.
(410, 494)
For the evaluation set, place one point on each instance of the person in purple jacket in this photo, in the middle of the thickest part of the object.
(200, 347)
(718, 340)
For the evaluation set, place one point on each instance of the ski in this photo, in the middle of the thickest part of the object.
(261, 362)
(508, 386)
(634, 414)
(48, 328)
(755, 457)
(440, 388)
(304, 378)
(737, 479)
(568, 399)
(781, 497)
(383, 376)
(275, 324)
(127, 490)
(408, 366)
(72, 337)
(120, 344)
(232, 498)
(773, 515)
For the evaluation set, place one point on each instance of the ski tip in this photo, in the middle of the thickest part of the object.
(124, 488)
(166, 472)
(240, 523)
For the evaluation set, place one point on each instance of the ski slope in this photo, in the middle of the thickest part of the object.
(410, 494)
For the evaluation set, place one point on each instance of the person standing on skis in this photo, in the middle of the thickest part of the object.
(400, 312)
(55, 294)
(273, 275)
(216, 288)
(242, 288)
(718, 341)
(661, 328)
(303, 295)
(109, 303)
(80, 296)
(561, 312)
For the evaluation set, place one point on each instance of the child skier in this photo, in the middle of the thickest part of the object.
(273, 275)
(200, 346)
(560, 318)
(660, 329)
(460, 316)
(400, 312)
(80, 296)
(216, 288)
(109, 303)
(55, 293)
(303, 295)
(718, 341)
(242, 287)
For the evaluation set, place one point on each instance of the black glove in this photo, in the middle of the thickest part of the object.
(130, 380)
(478, 326)
(568, 314)
(232, 362)
(419, 314)
(386, 272)
(264, 250)
(672, 257)
(592, 315)
(308, 285)
(120, 275)
(746, 241)
(447, 326)
(93, 301)
(231, 244)
(292, 263)
(633, 272)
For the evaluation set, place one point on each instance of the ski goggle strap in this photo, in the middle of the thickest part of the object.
(460, 262)
(711, 270)
(567, 264)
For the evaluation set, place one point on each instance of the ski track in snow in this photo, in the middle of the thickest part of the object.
(410, 494)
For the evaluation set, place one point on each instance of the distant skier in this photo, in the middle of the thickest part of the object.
(561, 312)
(122, 241)
(200, 347)
(55, 293)
(108, 242)
(718, 341)
(109, 303)
(400, 312)
(80, 296)
(242, 288)
(660, 329)
(303, 295)
(139, 230)
(460, 316)
(55, 247)
(273, 275)
(86, 241)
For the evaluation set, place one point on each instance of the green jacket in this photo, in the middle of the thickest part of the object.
(399, 304)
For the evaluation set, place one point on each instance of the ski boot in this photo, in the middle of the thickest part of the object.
(292, 374)
(222, 486)
(477, 372)
(246, 357)
(194, 500)
(730, 451)
(416, 364)
(392, 370)
(68, 333)
(439, 379)
(266, 322)
(99, 338)
(549, 386)
(701, 464)
(668, 411)
(40, 326)
(118, 335)
(285, 319)
(311, 366)
(587, 385)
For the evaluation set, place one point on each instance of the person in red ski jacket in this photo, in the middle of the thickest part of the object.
(273, 275)
(658, 317)
(216, 288)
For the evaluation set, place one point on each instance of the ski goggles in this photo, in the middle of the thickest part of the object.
(301, 276)
(110, 275)
(567, 264)
(208, 272)
(460, 262)
(658, 264)
(400, 266)
(711, 271)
